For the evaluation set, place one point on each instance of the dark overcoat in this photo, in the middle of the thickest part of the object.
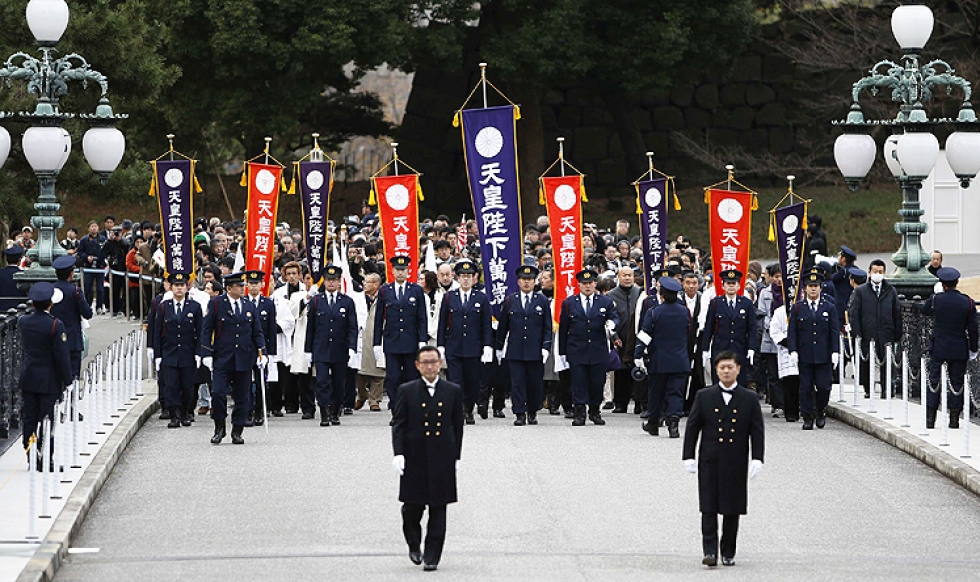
(726, 431)
(428, 431)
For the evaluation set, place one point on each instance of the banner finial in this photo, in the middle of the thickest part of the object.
(790, 179)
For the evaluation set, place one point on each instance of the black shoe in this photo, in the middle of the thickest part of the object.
(391, 422)
(597, 419)
(324, 416)
(710, 560)
(166, 414)
(186, 419)
(645, 414)
(638, 408)
(415, 556)
(821, 420)
(807, 423)
(236, 435)
(569, 414)
(578, 421)
(482, 411)
(258, 421)
(532, 418)
(174, 421)
(277, 413)
(498, 414)
(468, 418)
(954, 417)
(672, 428)
(931, 417)
(249, 423)
(521, 419)
(792, 419)
(608, 406)
(652, 428)
(554, 411)
(348, 411)
(619, 410)
(728, 561)
(429, 567)
(307, 415)
(219, 432)
(335, 419)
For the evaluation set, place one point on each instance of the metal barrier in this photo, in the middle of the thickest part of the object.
(11, 356)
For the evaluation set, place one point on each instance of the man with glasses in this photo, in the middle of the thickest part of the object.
(427, 438)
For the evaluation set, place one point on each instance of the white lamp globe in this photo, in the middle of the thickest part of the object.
(855, 154)
(962, 153)
(46, 148)
(104, 148)
(47, 20)
(918, 151)
(890, 152)
(4, 146)
(912, 26)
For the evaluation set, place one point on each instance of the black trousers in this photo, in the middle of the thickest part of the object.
(791, 396)
(623, 388)
(666, 395)
(709, 534)
(350, 388)
(696, 382)
(37, 405)
(225, 382)
(565, 389)
(814, 379)
(774, 389)
(435, 531)
(275, 390)
(466, 372)
(178, 387)
(587, 383)
(399, 368)
(526, 385)
(495, 383)
(331, 380)
(956, 370)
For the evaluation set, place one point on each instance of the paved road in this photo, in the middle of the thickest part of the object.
(550, 502)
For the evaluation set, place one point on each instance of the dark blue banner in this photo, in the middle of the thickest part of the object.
(789, 224)
(652, 207)
(490, 146)
(173, 181)
(315, 183)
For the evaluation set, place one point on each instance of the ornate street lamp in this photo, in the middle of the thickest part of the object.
(46, 143)
(912, 150)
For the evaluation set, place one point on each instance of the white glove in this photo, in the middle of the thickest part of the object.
(691, 466)
(847, 329)
(835, 358)
(610, 325)
(149, 352)
(487, 355)
(309, 359)
(794, 358)
(208, 362)
(398, 464)
(755, 467)
(638, 363)
(261, 361)
(500, 355)
(379, 354)
(197, 361)
(422, 345)
(156, 362)
(313, 290)
(564, 362)
(751, 356)
(706, 360)
(544, 356)
(494, 323)
(442, 351)
(973, 355)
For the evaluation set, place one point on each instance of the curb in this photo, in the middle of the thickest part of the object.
(957, 471)
(52, 552)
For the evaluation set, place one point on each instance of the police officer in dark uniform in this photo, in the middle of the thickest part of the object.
(465, 335)
(729, 325)
(331, 341)
(148, 328)
(814, 343)
(231, 344)
(175, 338)
(586, 319)
(722, 465)
(8, 287)
(954, 343)
(265, 309)
(46, 368)
(663, 337)
(524, 327)
(71, 310)
(427, 438)
(403, 327)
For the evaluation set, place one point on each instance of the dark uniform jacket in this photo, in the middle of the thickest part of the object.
(403, 325)
(664, 331)
(8, 288)
(72, 308)
(90, 246)
(875, 317)
(530, 331)
(723, 456)
(842, 291)
(331, 332)
(954, 333)
(428, 431)
(581, 336)
(814, 336)
(232, 341)
(266, 313)
(176, 339)
(46, 367)
(464, 330)
(727, 329)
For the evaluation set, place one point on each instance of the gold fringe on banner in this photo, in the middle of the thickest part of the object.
(677, 200)
(282, 183)
(418, 188)
(517, 113)
(541, 199)
(372, 199)
(806, 211)
(581, 187)
(755, 202)
(456, 119)
(244, 181)
(292, 181)
(153, 180)
(772, 226)
(639, 209)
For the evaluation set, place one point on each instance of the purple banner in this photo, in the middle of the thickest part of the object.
(315, 183)
(174, 186)
(490, 147)
(790, 242)
(652, 196)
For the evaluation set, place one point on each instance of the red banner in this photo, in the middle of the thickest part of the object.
(398, 208)
(730, 224)
(564, 200)
(264, 183)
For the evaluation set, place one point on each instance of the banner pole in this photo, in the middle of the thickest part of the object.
(650, 164)
(394, 153)
(170, 138)
(483, 82)
(731, 175)
(561, 155)
(316, 154)
(268, 140)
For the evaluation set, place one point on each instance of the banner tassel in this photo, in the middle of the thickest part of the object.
(197, 186)
(372, 200)
(772, 227)
(282, 183)
(639, 209)
(456, 119)
(292, 185)
(541, 199)
(244, 181)
(677, 202)
(517, 113)
(707, 196)
(153, 180)
(755, 202)
(582, 189)
(153, 191)
(418, 188)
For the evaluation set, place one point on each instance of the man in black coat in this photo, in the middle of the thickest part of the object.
(71, 310)
(427, 438)
(722, 466)
(8, 286)
(875, 314)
